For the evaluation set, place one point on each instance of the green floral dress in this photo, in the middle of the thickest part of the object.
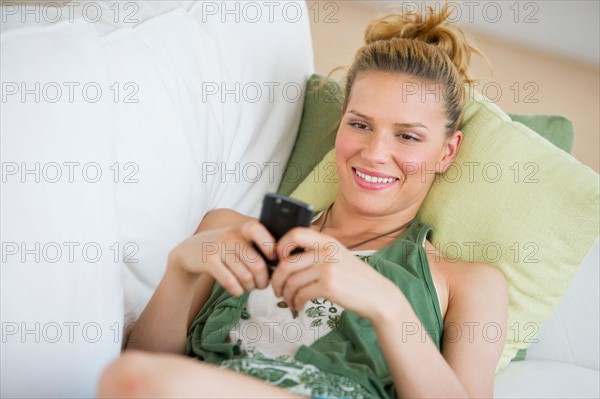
(284, 370)
(296, 377)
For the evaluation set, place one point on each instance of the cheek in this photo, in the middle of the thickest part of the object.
(416, 155)
(346, 145)
(417, 162)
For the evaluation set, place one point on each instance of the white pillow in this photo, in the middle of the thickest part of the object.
(61, 315)
(199, 136)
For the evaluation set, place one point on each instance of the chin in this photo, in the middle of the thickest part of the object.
(370, 203)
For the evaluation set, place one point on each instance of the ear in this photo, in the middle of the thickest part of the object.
(449, 151)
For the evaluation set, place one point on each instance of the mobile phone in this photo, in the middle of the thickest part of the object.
(279, 215)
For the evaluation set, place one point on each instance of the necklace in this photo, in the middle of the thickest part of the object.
(368, 239)
(282, 304)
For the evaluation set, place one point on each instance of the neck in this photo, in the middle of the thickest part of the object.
(351, 226)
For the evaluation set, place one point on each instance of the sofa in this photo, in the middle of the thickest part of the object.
(122, 124)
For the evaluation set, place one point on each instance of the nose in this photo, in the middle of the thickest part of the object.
(376, 149)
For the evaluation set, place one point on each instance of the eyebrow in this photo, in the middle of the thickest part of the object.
(401, 125)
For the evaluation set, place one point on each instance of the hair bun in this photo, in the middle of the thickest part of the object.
(433, 29)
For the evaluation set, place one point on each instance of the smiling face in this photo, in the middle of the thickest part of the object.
(391, 143)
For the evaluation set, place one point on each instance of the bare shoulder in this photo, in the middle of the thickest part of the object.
(463, 279)
(221, 217)
(468, 277)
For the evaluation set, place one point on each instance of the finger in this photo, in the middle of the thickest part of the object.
(299, 237)
(289, 265)
(257, 266)
(254, 231)
(305, 294)
(234, 262)
(296, 281)
(227, 279)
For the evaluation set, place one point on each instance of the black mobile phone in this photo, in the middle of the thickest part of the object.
(280, 214)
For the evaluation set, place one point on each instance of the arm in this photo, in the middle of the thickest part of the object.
(185, 286)
(466, 365)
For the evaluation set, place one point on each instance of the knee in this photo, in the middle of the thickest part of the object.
(126, 377)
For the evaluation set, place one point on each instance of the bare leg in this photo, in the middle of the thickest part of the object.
(141, 375)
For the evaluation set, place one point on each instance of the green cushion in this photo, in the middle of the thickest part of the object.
(320, 120)
(555, 128)
(536, 221)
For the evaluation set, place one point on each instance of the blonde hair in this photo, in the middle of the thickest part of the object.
(425, 47)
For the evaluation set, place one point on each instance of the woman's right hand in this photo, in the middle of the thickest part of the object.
(227, 254)
(220, 250)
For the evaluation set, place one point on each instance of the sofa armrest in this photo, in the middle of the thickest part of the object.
(572, 334)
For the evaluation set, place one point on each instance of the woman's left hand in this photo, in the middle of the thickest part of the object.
(327, 269)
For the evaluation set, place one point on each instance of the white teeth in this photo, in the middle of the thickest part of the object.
(374, 179)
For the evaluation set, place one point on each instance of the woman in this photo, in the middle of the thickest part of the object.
(383, 294)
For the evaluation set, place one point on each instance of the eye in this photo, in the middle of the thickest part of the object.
(408, 136)
(358, 125)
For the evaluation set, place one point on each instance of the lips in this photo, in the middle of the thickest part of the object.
(373, 180)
